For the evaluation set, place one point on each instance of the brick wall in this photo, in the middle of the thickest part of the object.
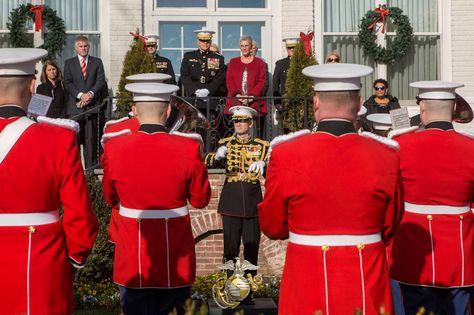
(207, 228)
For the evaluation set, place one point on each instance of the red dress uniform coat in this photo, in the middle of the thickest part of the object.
(437, 169)
(154, 171)
(122, 124)
(329, 183)
(41, 172)
(255, 83)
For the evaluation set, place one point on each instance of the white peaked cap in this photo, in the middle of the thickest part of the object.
(436, 90)
(380, 121)
(362, 111)
(149, 77)
(19, 61)
(150, 92)
(291, 42)
(152, 39)
(242, 112)
(204, 34)
(337, 76)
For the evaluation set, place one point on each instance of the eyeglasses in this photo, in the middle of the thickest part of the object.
(293, 47)
(379, 88)
(332, 60)
(205, 40)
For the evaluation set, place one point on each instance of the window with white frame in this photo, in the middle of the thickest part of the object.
(230, 19)
(340, 28)
(177, 38)
(80, 17)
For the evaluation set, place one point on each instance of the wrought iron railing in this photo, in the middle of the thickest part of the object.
(275, 122)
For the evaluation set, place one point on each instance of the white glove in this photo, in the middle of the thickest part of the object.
(198, 93)
(221, 152)
(257, 167)
(204, 93)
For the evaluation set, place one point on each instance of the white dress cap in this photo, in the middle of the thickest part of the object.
(362, 111)
(291, 42)
(204, 34)
(337, 76)
(151, 39)
(150, 92)
(242, 112)
(380, 121)
(19, 61)
(149, 77)
(436, 90)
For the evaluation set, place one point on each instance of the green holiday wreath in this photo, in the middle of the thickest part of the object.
(400, 44)
(55, 38)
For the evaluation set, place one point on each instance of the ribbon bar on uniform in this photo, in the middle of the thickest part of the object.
(334, 240)
(26, 219)
(435, 209)
(153, 214)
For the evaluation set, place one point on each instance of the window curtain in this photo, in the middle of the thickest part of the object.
(422, 61)
(344, 16)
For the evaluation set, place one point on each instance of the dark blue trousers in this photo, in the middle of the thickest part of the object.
(397, 298)
(437, 300)
(153, 301)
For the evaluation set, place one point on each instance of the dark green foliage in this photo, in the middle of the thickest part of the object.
(299, 90)
(136, 61)
(55, 31)
(400, 45)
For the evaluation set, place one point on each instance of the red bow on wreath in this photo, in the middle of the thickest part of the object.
(38, 11)
(306, 39)
(140, 37)
(383, 13)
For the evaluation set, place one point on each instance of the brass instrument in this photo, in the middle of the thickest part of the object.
(462, 112)
(185, 117)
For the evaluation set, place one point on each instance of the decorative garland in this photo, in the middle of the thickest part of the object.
(400, 44)
(55, 38)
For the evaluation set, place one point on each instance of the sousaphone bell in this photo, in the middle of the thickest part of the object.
(185, 117)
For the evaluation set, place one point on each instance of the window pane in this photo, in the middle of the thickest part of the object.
(420, 64)
(80, 15)
(176, 38)
(349, 49)
(230, 34)
(423, 14)
(241, 4)
(181, 3)
(345, 15)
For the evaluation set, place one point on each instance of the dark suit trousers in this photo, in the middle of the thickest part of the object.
(88, 137)
(247, 229)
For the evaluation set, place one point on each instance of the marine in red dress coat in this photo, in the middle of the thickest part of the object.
(338, 206)
(433, 250)
(40, 171)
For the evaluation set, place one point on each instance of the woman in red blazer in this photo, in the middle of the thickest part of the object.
(246, 78)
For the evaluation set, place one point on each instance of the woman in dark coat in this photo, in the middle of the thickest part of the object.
(52, 85)
(380, 102)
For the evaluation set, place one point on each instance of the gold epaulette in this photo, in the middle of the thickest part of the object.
(224, 140)
(264, 142)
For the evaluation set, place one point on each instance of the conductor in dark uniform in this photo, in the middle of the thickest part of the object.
(245, 160)
(162, 64)
(281, 71)
(203, 72)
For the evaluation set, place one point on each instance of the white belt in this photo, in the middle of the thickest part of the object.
(334, 240)
(153, 214)
(26, 219)
(435, 209)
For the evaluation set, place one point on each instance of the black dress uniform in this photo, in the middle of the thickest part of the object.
(240, 195)
(279, 76)
(202, 70)
(163, 65)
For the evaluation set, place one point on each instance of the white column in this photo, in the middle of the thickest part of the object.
(381, 68)
(38, 36)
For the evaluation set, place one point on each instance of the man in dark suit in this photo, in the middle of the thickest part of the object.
(84, 81)
(281, 70)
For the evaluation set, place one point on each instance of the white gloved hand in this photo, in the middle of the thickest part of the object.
(257, 167)
(204, 93)
(198, 92)
(221, 153)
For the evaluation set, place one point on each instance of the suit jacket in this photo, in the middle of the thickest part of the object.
(279, 76)
(74, 82)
